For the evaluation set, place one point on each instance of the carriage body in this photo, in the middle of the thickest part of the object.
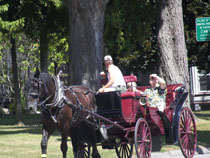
(126, 110)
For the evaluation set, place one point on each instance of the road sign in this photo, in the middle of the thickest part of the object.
(203, 29)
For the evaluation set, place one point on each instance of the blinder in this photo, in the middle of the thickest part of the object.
(40, 83)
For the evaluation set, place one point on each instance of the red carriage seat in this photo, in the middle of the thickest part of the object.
(130, 100)
(154, 121)
(130, 82)
(171, 95)
(131, 78)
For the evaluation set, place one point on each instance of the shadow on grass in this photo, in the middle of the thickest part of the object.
(203, 116)
(32, 125)
(20, 130)
(29, 119)
(203, 138)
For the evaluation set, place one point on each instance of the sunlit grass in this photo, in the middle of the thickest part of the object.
(18, 142)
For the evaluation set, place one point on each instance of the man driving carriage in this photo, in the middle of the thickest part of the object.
(116, 81)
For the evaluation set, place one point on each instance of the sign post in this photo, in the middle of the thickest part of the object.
(203, 29)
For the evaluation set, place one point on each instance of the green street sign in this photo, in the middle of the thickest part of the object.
(203, 29)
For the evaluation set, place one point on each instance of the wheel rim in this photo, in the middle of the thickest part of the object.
(124, 150)
(143, 139)
(187, 133)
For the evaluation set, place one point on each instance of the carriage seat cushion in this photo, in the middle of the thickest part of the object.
(172, 87)
(142, 88)
(171, 93)
(130, 94)
(131, 78)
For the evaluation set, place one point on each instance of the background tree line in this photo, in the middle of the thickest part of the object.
(43, 33)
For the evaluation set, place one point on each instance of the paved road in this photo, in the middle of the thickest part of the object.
(201, 152)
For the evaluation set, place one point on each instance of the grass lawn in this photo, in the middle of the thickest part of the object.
(19, 142)
(24, 142)
(203, 128)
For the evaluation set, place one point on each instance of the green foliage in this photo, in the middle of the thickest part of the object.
(198, 52)
(10, 21)
(50, 16)
(129, 34)
(57, 52)
(31, 18)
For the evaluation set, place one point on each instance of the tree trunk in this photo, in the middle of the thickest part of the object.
(44, 52)
(171, 41)
(16, 85)
(86, 41)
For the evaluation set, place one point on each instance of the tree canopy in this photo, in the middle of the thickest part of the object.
(130, 33)
(198, 52)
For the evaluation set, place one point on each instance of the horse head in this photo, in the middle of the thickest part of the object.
(40, 89)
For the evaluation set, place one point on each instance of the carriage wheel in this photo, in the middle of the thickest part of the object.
(187, 133)
(124, 150)
(143, 139)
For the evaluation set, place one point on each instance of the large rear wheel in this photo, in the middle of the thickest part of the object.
(143, 139)
(187, 133)
(124, 150)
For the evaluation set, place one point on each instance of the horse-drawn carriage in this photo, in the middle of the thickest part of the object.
(132, 121)
(120, 119)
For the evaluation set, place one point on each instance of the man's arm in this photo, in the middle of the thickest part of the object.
(110, 82)
(160, 81)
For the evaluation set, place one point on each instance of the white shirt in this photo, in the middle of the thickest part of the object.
(117, 75)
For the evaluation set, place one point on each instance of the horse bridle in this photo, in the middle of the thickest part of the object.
(37, 95)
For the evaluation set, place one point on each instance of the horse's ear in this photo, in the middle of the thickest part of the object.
(37, 72)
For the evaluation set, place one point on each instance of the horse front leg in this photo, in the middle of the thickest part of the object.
(45, 137)
(95, 153)
(64, 146)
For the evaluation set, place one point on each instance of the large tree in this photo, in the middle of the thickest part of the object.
(86, 41)
(171, 40)
(16, 83)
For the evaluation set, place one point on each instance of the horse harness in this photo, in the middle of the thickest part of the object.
(60, 100)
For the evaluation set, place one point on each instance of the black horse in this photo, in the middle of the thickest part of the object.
(61, 108)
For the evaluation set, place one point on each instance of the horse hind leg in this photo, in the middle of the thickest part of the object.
(78, 148)
(95, 153)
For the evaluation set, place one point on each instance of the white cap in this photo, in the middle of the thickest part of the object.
(107, 57)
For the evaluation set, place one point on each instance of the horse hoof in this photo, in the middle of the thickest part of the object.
(44, 156)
